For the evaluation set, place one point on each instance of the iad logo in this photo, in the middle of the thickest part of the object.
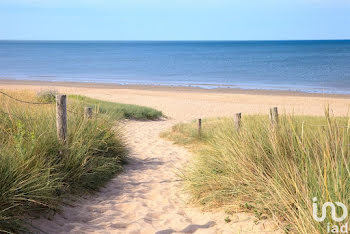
(333, 211)
(331, 228)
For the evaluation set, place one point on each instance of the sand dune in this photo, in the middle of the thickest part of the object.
(147, 196)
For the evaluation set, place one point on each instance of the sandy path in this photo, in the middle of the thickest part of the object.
(147, 196)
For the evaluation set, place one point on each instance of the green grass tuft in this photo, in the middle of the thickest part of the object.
(47, 96)
(118, 110)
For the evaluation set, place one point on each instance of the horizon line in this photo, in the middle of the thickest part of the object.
(112, 40)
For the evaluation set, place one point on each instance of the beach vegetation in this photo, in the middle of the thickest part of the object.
(270, 171)
(47, 96)
(119, 110)
(37, 172)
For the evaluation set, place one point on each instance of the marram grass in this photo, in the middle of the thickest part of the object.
(119, 110)
(37, 172)
(270, 171)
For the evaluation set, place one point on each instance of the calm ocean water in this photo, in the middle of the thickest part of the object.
(311, 66)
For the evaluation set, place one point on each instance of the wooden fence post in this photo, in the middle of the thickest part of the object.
(88, 112)
(61, 117)
(274, 116)
(237, 119)
(199, 127)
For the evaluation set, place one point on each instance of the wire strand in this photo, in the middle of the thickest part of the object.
(26, 102)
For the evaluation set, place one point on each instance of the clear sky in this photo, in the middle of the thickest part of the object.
(174, 19)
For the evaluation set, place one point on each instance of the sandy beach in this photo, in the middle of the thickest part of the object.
(186, 103)
(147, 196)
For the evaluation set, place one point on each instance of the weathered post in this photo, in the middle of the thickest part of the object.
(61, 117)
(88, 112)
(274, 116)
(199, 127)
(237, 120)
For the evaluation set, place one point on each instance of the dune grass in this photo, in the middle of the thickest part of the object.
(37, 172)
(273, 172)
(118, 110)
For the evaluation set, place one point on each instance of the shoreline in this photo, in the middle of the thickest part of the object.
(174, 88)
(188, 103)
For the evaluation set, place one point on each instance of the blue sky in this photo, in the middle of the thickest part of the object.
(174, 19)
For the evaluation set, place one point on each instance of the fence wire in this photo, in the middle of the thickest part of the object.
(26, 102)
(35, 103)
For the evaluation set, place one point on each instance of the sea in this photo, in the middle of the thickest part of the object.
(307, 66)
